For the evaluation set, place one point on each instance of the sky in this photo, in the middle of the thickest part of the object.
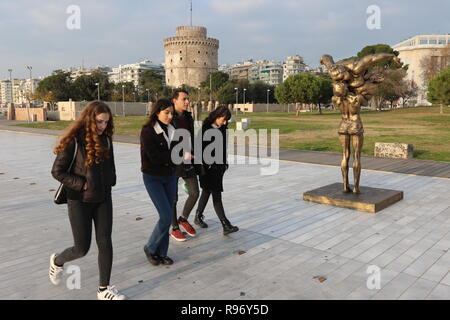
(113, 32)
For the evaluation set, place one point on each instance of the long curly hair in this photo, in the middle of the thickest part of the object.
(85, 126)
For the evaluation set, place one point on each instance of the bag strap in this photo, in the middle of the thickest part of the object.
(74, 155)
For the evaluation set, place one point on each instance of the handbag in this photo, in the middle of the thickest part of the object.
(61, 193)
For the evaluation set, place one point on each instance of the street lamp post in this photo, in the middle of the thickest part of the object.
(31, 88)
(268, 90)
(148, 101)
(237, 93)
(12, 86)
(210, 86)
(31, 78)
(244, 96)
(123, 100)
(98, 88)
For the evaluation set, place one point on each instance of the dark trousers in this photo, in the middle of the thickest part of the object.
(193, 194)
(161, 190)
(81, 215)
(217, 202)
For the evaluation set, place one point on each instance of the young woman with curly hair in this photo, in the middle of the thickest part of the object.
(88, 188)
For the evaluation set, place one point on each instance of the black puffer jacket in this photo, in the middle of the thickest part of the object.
(99, 177)
(212, 174)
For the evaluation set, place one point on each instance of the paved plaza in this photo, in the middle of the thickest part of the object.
(286, 248)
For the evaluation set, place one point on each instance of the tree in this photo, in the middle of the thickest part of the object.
(154, 82)
(218, 80)
(411, 89)
(56, 87)
(85, 87)
(305, 88)
(227, 93)
(393, 87)
(258, 91)
(439, 88)
(325, 92)
(284, 93)
(379, 48)
(46, 96)
(150, 77)
(118, 93)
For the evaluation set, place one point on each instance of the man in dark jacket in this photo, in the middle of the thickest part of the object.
(183, 120)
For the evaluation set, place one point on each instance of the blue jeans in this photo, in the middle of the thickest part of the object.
(162, 190)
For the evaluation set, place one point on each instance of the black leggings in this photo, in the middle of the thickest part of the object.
(217, 202)
(81, 215)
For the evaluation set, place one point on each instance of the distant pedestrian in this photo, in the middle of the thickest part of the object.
(159, 177)
(211, 181)
(88, 188)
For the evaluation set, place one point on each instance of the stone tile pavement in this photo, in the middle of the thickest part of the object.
(286, 248)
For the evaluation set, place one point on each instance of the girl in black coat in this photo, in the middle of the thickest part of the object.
(88, 185)
(211, 181)
(158, 173)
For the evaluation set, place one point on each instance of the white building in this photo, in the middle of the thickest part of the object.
(414, 50)
(131, 72)
(20, 93)
(240, 71)
(24, 89)
(294, 65)
(269, 72)
(5, 92)
(75, 73)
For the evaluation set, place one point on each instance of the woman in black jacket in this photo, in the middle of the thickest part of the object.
(88, 188)
(211, 181)
(158, 173)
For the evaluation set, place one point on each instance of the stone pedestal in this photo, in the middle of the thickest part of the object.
(241, 126)
(369, 200)
(393, 150)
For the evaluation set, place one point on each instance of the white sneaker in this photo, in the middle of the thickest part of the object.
(110, 293)
(55, 273)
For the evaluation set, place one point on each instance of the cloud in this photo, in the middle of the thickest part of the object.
(117, 32)
(237, 6)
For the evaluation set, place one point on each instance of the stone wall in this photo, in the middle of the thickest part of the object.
(70, 110)
(30, 114)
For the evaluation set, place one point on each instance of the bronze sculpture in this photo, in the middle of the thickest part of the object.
(353, 87)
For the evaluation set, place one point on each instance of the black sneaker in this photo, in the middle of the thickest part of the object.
(152, 258)
(166, 261)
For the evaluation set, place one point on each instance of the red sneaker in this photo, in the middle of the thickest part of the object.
(187, 227)
(178, 235)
